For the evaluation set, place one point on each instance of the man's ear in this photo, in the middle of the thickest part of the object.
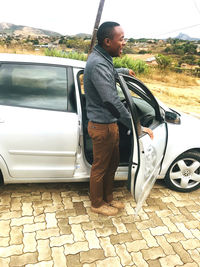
(107, 42)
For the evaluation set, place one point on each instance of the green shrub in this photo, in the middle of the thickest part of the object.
(72, 55)
(138, 66)
(164, 62)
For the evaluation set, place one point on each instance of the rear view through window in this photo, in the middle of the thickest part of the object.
(33, 86)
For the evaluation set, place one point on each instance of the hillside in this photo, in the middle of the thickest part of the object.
(12, 29)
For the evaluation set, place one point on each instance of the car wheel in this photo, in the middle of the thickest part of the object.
(184, 173)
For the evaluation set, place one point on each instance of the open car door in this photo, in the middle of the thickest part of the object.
(147, 154)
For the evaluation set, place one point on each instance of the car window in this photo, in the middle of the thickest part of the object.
(34, 86)
(145, 111)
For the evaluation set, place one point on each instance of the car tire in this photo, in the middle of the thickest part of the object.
(183, 174)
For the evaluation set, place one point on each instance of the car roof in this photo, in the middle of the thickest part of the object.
(4, 57)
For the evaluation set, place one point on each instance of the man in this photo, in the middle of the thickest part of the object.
(104, 108)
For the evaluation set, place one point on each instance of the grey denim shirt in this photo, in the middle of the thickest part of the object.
(102, 101)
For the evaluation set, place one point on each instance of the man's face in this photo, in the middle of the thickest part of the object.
(116, 44)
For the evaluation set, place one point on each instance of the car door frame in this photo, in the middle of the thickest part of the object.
(135, 162)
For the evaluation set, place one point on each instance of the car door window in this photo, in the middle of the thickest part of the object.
(145, 109)
(34, 86)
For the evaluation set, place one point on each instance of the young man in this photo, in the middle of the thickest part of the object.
(104, 108)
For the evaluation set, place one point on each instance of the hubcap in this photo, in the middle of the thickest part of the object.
(185, 173)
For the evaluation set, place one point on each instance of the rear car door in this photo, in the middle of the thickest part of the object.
(147, 153)
(39, 124)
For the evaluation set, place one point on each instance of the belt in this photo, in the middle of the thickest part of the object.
(103, 122)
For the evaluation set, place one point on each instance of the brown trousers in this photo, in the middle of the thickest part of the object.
(105, 140)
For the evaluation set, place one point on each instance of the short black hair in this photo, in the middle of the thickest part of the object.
(106, 31)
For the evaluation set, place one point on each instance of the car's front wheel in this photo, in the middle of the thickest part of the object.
(184, 173)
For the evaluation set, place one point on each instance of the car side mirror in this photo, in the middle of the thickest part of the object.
(172, 117)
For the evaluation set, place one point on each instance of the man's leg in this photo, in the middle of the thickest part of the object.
(102, 153)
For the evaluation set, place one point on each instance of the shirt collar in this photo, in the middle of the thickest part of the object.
(103, 52)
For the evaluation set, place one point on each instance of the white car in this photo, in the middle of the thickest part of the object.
(43, 129)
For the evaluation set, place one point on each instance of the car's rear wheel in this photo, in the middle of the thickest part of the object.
(184, 173)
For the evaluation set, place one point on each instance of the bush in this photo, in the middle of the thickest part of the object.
(164, 62)
(138, 66)
(72, 55)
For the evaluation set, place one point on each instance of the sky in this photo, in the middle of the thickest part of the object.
(139, 18)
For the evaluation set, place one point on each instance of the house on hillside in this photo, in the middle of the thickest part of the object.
(151, 61)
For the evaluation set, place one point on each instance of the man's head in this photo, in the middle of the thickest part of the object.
(110, 36)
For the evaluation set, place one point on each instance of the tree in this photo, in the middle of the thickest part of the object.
(163, 61)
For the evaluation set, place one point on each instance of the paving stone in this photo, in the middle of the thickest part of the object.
(175, 237)
(10, 215)
(187, 233)
(151, 241)
(73, 260)
(78, 219)
(108, 248)
(195, 233)
(5, 228)
(195, 255)
(58, 256)
(27, 209)
(76, 247)
(4, 242)
(190, 244)
(184, 255)
(51, 220)
(41, 264)
(137, 245)
(153, 263)
(65, 228)
(15, 204)
(92, 225)
(77, 232)
(4, 262)
(29, 242)
(121, 228)
(11, 250)
(107, 231)
(120, 238)
(92, 239)
(171, 226)
(24, 259)
(156, 220)
(167, 248)
(129, 209)
(144, 225)
(16, 235)
(28, 228)
(22, 221)
(91, 256)
(135, 233)
(123, 254)
(111, 261)
(153, 253)
(170, 261)
(44, 234)
(61, 240)
(46, 196)
(43, 250)
(160, 230)
(138, 259)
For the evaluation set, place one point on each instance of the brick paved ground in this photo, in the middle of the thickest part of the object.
(52, 225)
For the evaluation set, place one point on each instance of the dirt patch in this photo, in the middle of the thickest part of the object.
(186, 99)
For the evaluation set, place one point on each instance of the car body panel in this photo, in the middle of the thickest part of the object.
(44, 143)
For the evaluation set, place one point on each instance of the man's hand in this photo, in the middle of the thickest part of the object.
(148, 131)
(131, 73)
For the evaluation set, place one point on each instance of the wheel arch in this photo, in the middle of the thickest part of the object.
(169, 159)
